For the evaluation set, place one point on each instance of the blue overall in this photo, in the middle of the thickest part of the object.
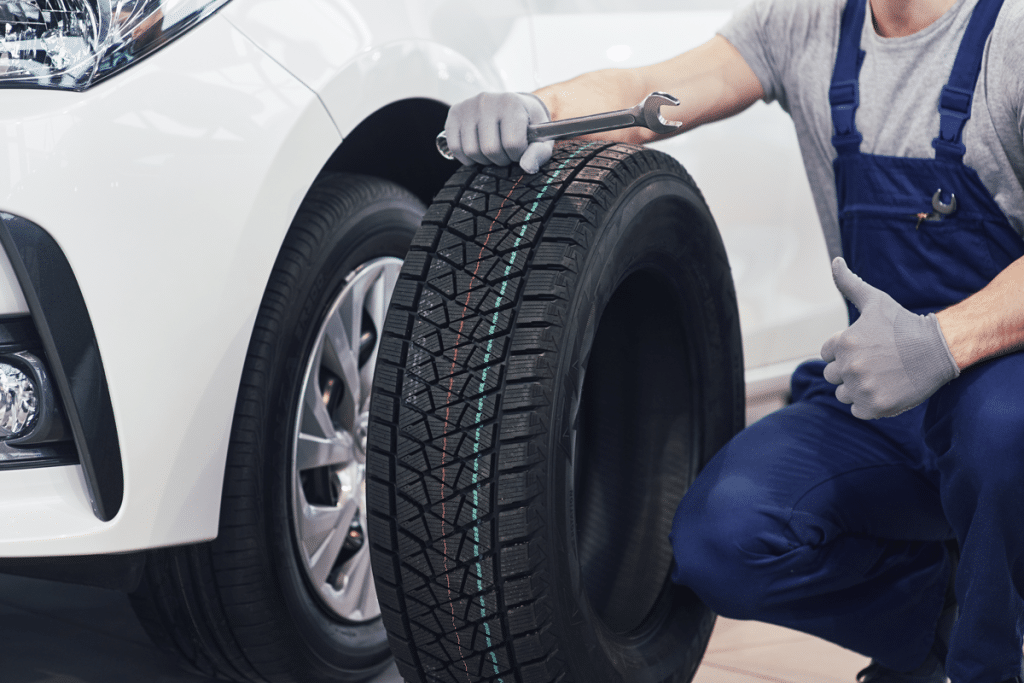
(818, 521)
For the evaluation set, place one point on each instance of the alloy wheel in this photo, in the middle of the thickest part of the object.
(329, 446)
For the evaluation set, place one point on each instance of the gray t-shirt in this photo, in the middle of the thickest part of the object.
(791, 46)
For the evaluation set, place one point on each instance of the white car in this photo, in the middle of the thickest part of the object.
(204, 205)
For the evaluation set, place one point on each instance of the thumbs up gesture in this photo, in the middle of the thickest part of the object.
(890, 359)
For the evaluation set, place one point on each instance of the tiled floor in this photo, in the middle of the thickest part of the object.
(57, 633)
(751, 652)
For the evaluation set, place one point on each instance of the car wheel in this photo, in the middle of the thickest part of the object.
(285, 592)
(561, 356)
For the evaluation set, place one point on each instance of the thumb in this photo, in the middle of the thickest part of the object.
(828, 349)
(850, 284)
(536, 155)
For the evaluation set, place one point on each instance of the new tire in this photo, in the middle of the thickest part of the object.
(561, 357)
(285, 592)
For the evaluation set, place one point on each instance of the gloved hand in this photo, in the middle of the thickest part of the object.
(491, 129)
(890, 359)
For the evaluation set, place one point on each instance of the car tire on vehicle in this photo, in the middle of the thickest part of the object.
(561, 356)
(285, 592)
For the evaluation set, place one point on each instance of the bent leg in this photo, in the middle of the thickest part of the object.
(975, 425)
(817, 521)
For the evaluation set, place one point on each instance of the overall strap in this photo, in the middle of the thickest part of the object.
(843, 96)
(955, 101)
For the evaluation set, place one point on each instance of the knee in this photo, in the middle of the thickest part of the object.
(722, 538)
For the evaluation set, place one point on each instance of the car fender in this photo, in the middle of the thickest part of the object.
(360, 56)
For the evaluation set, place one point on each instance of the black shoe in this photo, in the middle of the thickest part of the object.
(1018, 678)
(932, 671)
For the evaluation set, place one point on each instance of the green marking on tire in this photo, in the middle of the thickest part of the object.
(480, 401)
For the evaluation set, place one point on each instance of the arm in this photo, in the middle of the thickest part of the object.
(989, 323)
(712, 82)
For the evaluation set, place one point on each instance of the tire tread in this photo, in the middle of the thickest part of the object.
(457, 289)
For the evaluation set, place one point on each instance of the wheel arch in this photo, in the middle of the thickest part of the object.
(396, 143)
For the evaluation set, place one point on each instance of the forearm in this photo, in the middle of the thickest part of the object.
(989, 323)
(711, 82)
(596, 92)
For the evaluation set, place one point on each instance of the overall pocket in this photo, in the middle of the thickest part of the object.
(925, 265)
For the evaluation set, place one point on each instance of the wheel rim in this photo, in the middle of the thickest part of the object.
(329, 445)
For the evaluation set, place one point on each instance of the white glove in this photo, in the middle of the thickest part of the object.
(491, 129)
(890, 359)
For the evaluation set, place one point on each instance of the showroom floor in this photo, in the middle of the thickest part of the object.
(57, 633)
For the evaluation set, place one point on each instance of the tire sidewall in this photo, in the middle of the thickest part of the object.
(623, 245)
(381, 226)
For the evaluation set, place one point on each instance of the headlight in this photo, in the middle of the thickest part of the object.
(71, 44)
(18, 402)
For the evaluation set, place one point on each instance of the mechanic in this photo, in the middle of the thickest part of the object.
(835, 514)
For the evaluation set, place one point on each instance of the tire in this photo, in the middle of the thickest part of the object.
(285, 593)
(561, 356)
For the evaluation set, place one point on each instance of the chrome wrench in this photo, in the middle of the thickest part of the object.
(646, 114)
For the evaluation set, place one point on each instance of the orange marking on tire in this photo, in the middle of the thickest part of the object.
(447, 413)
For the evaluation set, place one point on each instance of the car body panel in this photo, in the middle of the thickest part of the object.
(12, 298)
(360, 60)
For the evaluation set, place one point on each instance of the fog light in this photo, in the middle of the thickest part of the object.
(18, 401)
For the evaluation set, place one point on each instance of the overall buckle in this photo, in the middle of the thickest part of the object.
(954, 110)
(844, 98)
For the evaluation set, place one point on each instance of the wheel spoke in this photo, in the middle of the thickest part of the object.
(314, 451)
(321, 562)
(341, 354)
(317, 520)
(369, 607)
(383, 287)
(359, 594)
(376, 306)
(315, 420)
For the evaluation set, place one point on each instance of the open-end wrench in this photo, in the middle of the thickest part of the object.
(647, 114)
